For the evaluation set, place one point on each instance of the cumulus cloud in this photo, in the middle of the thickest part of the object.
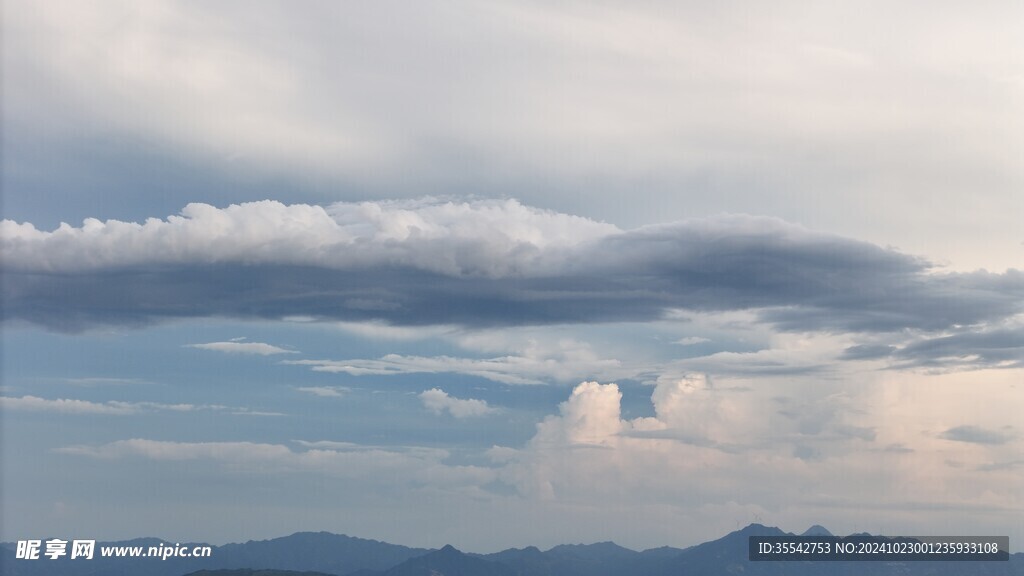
(477, 264)
(438, 401)
(233, 347)
(704, 443)
(691, 408)
(589, 416)
(481, 238)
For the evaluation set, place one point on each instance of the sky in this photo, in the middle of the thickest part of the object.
(511, 273)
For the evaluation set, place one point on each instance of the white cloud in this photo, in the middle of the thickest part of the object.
(438, 401)
(257, 413)
(814, 443)
(482, 237)
(590, 416)
(99, 381)
(115, 407)
(65, 405)
(234, 347)
(382, 331)
(328, 444)
(692, 408)
(325, 391)
(534, 363)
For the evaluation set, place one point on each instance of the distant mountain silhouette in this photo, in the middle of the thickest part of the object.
(323, 553)
(601, 559)
(816, 530)
(250, 572)
(315, 551)
(728, 555)
(449, 562)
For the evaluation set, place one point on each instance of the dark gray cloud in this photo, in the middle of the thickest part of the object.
(1002, 347)
(490, 264)
(977, 435)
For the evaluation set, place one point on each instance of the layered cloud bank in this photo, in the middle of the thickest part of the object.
(481, 263)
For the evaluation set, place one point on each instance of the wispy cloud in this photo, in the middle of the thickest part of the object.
(234, 347)
(66, 405)
(325, 391)
(114, 407)
(999, 346)
(438, 401)
(99, 381)
(404, 465)
(535, 366)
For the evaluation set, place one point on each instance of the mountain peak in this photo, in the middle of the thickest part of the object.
(450, 562)
(817, 530)
(759, 530)
(604, 550)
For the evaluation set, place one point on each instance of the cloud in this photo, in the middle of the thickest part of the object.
(329, 445)
(411, 465)
(99, 381)
(115, 407)
(867, 351)
(589, 416)
(992, 345)
(325, 391)
(456, 239)
(692, 340)
(233, 347)
(1000, 346)
(438, 401)
(247, 95)
(759, 363)
(535, 364)
(476, 264)
(704, 442)
(977, 435)
(65, 405)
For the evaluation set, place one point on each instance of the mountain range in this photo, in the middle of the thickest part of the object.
(325, 554)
